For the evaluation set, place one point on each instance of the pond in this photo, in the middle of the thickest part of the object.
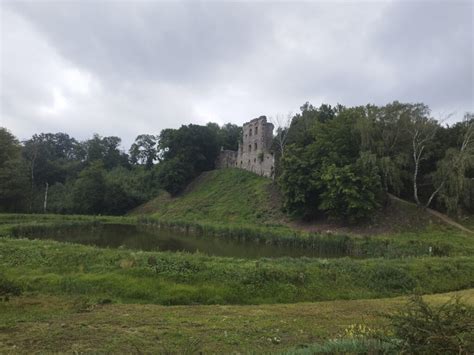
(148, 239)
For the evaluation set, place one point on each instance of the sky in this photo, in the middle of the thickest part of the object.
(126, 68)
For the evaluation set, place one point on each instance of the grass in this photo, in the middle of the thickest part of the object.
(40, 323)
(226, 196)
(178, 278)
(87, 299)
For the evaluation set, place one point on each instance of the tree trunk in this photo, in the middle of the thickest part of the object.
(434, 194)
(415, 176)
(45, 203)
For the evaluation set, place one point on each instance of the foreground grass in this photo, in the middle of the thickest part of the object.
(175, 278)
(39, 323)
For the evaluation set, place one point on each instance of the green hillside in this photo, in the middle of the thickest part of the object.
(221, 196)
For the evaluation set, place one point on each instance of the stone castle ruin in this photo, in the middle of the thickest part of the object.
(254, 153)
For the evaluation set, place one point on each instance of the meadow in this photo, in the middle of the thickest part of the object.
(64, 296)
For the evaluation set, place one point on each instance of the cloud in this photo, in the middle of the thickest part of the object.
(125, 68)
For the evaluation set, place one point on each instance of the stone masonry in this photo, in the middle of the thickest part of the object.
(254, 153)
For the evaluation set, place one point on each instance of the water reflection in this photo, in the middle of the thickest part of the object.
(147, 239)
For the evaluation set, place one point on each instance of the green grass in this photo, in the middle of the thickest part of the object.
(227, 196)
(239, 204)
(175, 278)
(43, 323)
(66, 285)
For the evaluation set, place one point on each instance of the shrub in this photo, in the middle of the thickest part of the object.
(8, 288)
(427, 329)
(390, 278)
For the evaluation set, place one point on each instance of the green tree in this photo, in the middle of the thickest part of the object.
(107, 150)
(185, 153)
(327, 172)
(13, 174)
(89, 190)
(350, 192)
(144, 150)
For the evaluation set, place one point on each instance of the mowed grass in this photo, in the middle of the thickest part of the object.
(226, 196)
(39, 323)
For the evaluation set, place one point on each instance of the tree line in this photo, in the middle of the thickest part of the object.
(339, 161)
(344, 161)
(55, 173)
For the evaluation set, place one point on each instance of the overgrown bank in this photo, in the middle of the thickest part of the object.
(174, 278)
(432, 241)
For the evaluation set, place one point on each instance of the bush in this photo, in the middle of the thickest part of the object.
(390, 278)
(426, 329)
(8, 288)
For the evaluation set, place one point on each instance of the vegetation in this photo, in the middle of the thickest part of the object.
(176, 278)
(227, 196)
(416, 327)
(342, 161)
(346, 163)
(52, 172)
(423, 328)
(46, 323)
(338, 162)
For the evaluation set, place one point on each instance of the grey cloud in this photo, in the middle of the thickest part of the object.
(173, 42)
(127, 68)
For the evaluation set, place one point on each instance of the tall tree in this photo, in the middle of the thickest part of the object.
(13, 174)
(144, 150)
(107, 150)
(89, 190)
(450, 178)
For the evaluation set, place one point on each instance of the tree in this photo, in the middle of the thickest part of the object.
(422, 130)
(282, 124)
(303, 123)
(13, 174)
(144, 150)
(89, 190)
(330, 173)
(107, 150)
(450, 177)
(173, 174)
(230, 135)
(190, 150)
(350, 192)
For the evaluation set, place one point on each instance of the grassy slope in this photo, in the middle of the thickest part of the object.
(58, 324)
(221, 196)
(236, 197)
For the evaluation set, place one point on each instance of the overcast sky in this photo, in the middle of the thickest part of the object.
(126, 68)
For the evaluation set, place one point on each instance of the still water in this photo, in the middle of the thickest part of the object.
(140, 238)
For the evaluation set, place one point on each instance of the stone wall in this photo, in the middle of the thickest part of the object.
(226, 159)
(254, 153)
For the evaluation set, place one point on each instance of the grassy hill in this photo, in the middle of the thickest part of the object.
(235, 196)
(221, 196)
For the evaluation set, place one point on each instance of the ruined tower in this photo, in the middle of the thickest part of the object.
(254, 153)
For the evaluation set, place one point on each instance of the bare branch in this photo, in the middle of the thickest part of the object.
(282, 125)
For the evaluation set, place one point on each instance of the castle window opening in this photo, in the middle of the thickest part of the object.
(256, 130)
(250, 147)
(255, 146)
(250, 132)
